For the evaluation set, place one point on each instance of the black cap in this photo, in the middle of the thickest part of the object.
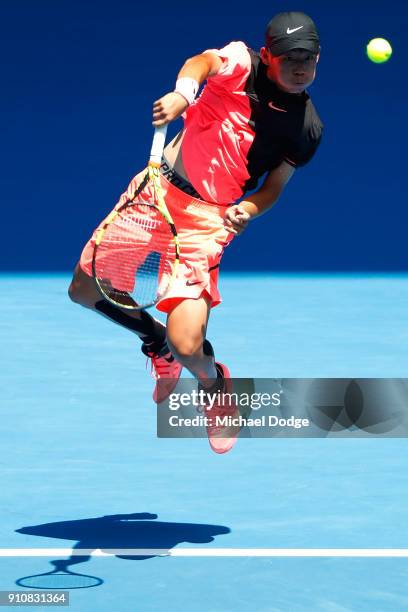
(292, 30)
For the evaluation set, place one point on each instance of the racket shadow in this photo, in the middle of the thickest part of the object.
(116, 534)
(60, 578)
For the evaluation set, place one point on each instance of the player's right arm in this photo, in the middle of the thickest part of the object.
(172, 105)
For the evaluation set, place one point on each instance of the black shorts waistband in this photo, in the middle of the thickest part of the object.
(178, 181)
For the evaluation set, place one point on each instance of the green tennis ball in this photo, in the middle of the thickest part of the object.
(379, 50)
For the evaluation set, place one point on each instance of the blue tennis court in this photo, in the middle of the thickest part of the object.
(82, 468)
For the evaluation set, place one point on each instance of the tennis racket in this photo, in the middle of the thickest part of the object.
(137, 252)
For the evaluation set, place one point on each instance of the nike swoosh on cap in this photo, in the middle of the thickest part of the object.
(290, 31)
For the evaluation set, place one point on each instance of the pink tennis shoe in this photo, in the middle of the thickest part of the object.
(221, 430)
(167, 369)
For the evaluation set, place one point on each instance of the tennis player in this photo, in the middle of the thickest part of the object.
(254, 121)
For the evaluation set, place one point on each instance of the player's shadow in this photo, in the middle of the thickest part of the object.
(123, 532)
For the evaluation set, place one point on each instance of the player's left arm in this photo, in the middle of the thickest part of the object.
(238, 216)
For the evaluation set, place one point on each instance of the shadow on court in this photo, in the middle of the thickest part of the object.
(138, 530)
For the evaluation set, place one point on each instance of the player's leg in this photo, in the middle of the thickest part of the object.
(186, 331)
(152, 332)
(83, 291)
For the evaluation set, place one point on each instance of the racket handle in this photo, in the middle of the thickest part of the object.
(159, 139)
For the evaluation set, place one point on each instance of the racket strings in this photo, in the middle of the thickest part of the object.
(143, 216)
(136, 255)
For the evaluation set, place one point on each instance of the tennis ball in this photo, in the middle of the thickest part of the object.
(379, 50)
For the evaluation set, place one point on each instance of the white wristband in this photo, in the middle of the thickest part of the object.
(187, 87)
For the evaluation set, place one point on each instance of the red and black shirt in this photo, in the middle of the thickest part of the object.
(243, 126)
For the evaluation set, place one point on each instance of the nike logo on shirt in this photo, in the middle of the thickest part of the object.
(271, 105)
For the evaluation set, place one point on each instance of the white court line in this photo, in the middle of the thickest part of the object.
(207, 552)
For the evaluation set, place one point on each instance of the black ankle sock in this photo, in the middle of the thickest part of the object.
(218, 384)
(207, 348)
(155, 348)
(145, 326)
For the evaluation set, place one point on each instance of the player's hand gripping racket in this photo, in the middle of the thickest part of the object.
(136, 251)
